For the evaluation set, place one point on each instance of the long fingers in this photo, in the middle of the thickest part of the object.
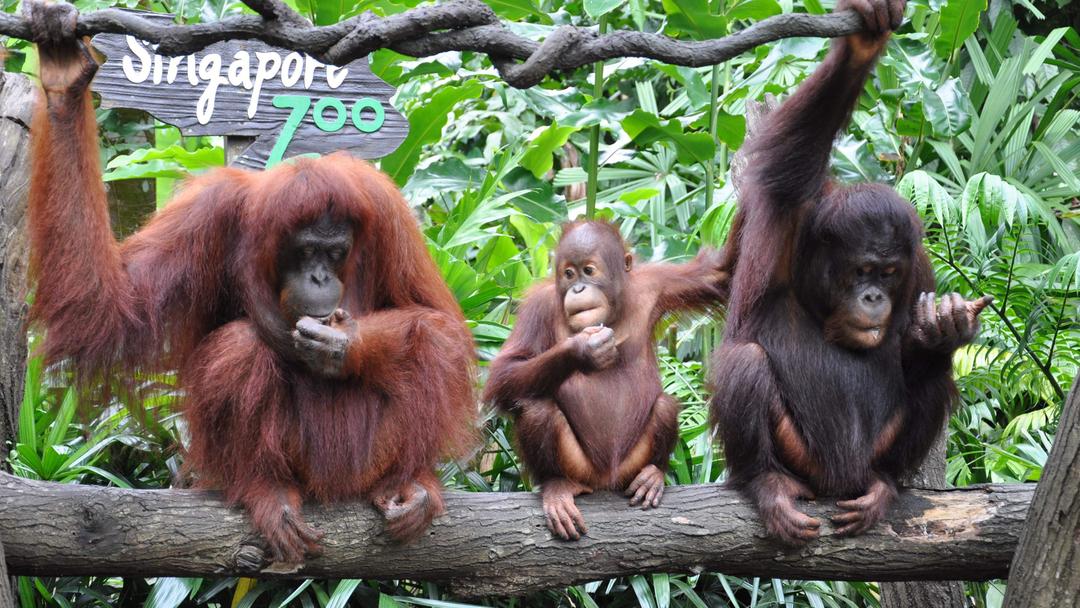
(961, 318)
(926, 317)
(866, 11)
(945, 319)
(858, 504)
(856, 527)
(637, 490)
(978, 305)
(600, 335)
(652, 499)
(791, 526)
(408, 513)
(854, 521)
(289, 542)
(648, 492)
(896, 13)
(881, 14)
(52, 24)
(564, 519)
(311, 328)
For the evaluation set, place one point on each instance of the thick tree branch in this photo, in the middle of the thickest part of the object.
(457, 25)
(1047, 564)
(496, 543)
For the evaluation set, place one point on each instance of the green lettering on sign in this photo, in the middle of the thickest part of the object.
(339, 120)
(299, 105)
(367, 103)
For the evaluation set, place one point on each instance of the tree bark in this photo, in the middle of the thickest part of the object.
(455, 25)
(1046, 569)
(16, 103)
(7, 600)
(497, 544)
(939, 594)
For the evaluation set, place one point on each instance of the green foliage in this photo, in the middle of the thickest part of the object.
(959, 20)
(426, 122)
(975, 122)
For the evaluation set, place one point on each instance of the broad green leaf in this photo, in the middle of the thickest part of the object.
(731, 129)
(386, 64)
(173, 161)
(593, 113)
(913, 121)
(538, 155)
(645, 128)
(537, 197)
(754, 9)
(426, 123)
(327, 12)
(637, 12)
(633, 197)
(597, 8)
(947, 109)
(449, 175)
(693, 18)
(959, 19)
(515, 10)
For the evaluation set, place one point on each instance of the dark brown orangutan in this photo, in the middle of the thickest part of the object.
(321, 354)
(835, 373)
(579, 374)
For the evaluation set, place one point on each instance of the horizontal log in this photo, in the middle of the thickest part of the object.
(496, 543)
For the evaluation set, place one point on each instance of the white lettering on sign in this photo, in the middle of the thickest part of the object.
(212, 71)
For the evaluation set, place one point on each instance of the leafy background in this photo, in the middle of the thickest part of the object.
(972, 114)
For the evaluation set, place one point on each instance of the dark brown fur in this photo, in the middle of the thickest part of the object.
(801, 408)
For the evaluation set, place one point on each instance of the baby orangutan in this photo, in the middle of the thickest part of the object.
(579, 374)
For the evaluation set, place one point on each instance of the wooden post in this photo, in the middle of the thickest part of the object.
(919, 594)
(16, 104)
(1046, 568)
(235, 146)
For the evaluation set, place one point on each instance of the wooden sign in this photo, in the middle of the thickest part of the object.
(291, 103)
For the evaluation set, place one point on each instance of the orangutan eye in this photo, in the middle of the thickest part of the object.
(864, 270)
(307, 252)
(569, 273)
(888, 271)
(589, 270)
